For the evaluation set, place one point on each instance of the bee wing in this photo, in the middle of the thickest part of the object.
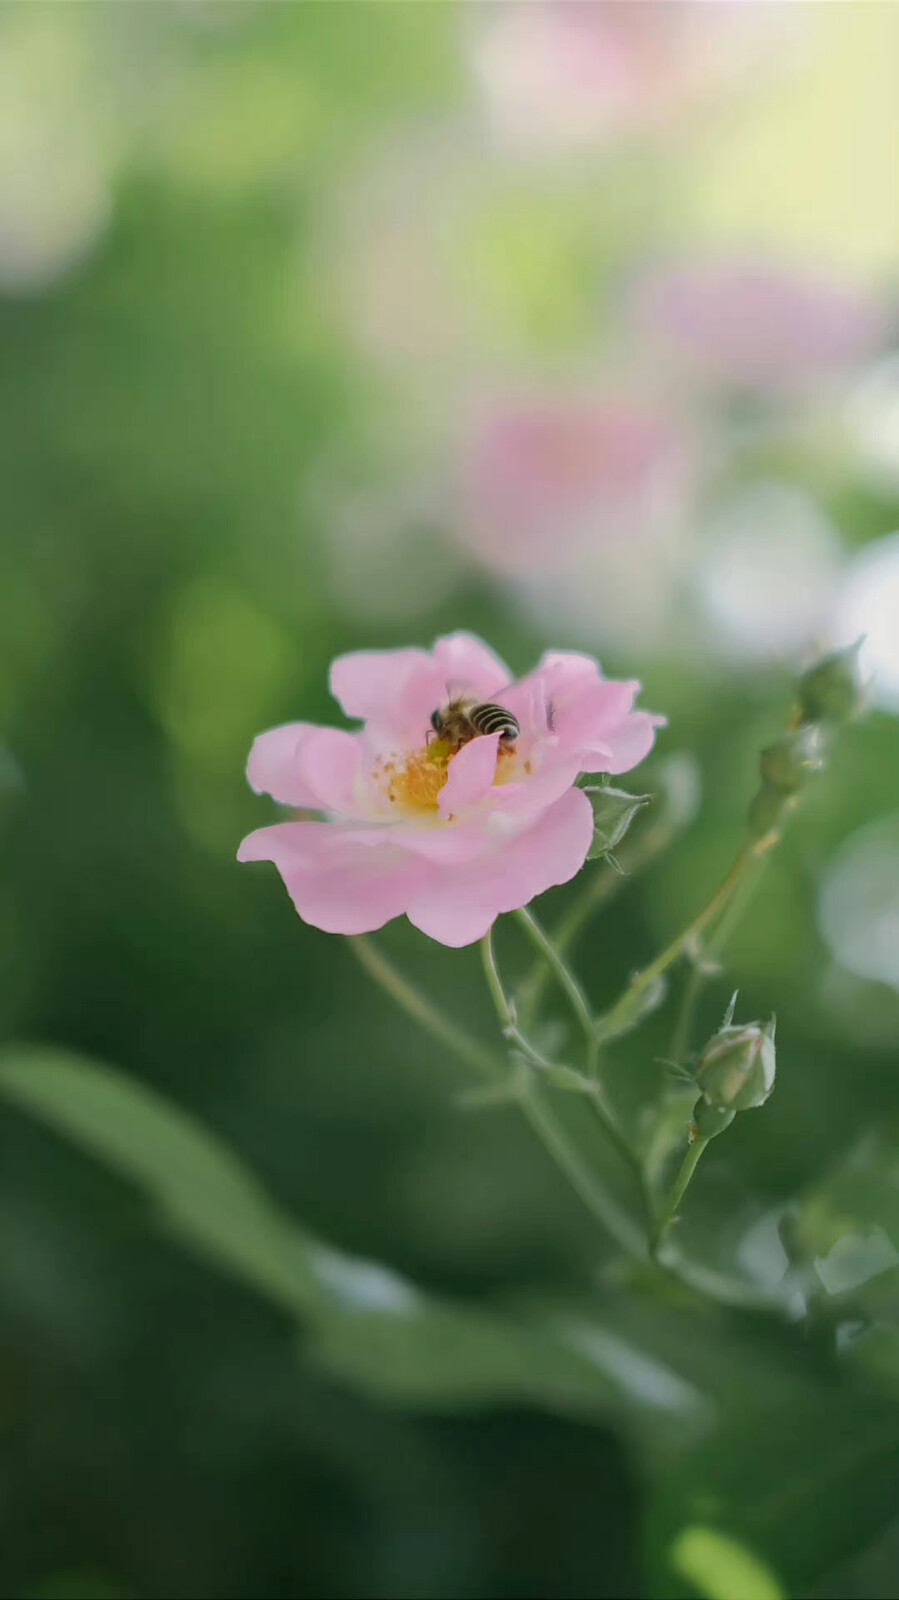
(458, 690)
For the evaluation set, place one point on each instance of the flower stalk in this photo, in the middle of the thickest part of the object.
(586, 1183)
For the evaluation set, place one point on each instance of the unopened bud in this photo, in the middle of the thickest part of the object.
(830, 691)
(709, 1120)
(736, 1069)
(786, 764)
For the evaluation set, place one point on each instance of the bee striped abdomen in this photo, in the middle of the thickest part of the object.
(490, 718)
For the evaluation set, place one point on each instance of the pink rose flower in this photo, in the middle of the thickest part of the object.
(450, 838)
(753, 323)
(552, 474)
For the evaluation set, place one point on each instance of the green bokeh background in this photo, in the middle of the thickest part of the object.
(166, 404)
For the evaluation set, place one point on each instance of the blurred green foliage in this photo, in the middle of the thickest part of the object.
(277, 1316)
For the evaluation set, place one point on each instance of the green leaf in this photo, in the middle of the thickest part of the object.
(206, 1198)
(613, 812)
(365, 1323)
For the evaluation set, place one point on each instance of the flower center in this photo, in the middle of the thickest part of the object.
(414, 782)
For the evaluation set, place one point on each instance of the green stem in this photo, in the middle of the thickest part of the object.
(683, 1027)
(416, 1005)
(602, 885)
(504, 1008)
(581, 1008)
(699, 973)
(628, 1002)
(601, 1204)
(678, 1190)
(566, 980)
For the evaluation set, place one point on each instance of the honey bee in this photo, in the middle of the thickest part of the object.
(462, 720)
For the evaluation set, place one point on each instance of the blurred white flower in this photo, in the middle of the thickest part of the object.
(872, 415)
(869, 604)
(770, 574)
(752, 324)
(858, 908)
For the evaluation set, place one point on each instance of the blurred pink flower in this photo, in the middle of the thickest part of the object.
(753, 324)
(450, 839)
(548, 476)
(562, 74)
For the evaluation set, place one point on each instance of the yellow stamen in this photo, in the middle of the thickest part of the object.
(414, 783)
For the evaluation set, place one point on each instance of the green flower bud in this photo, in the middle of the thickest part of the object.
(709, 1120)
(830, 691)
(785, 765)
(736, 1069)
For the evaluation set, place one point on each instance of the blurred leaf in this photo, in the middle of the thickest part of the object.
(433, 1354)
(797, 1488)
(206, 1197)
(368, 1325)
(859, 1194)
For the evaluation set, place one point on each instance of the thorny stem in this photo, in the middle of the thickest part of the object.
(601, 1204)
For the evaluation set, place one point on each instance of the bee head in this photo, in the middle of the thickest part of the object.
(437, 721)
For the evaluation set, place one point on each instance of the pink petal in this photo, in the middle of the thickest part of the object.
(336, 882)
(365, 682)
(397, 690)
(531, 795)
(330, 762)
(274, 765)
(458, 906)
(465, 662)
(447, 846)
(470, 776)
(586, 721)
(632, 741)
(567, 670)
